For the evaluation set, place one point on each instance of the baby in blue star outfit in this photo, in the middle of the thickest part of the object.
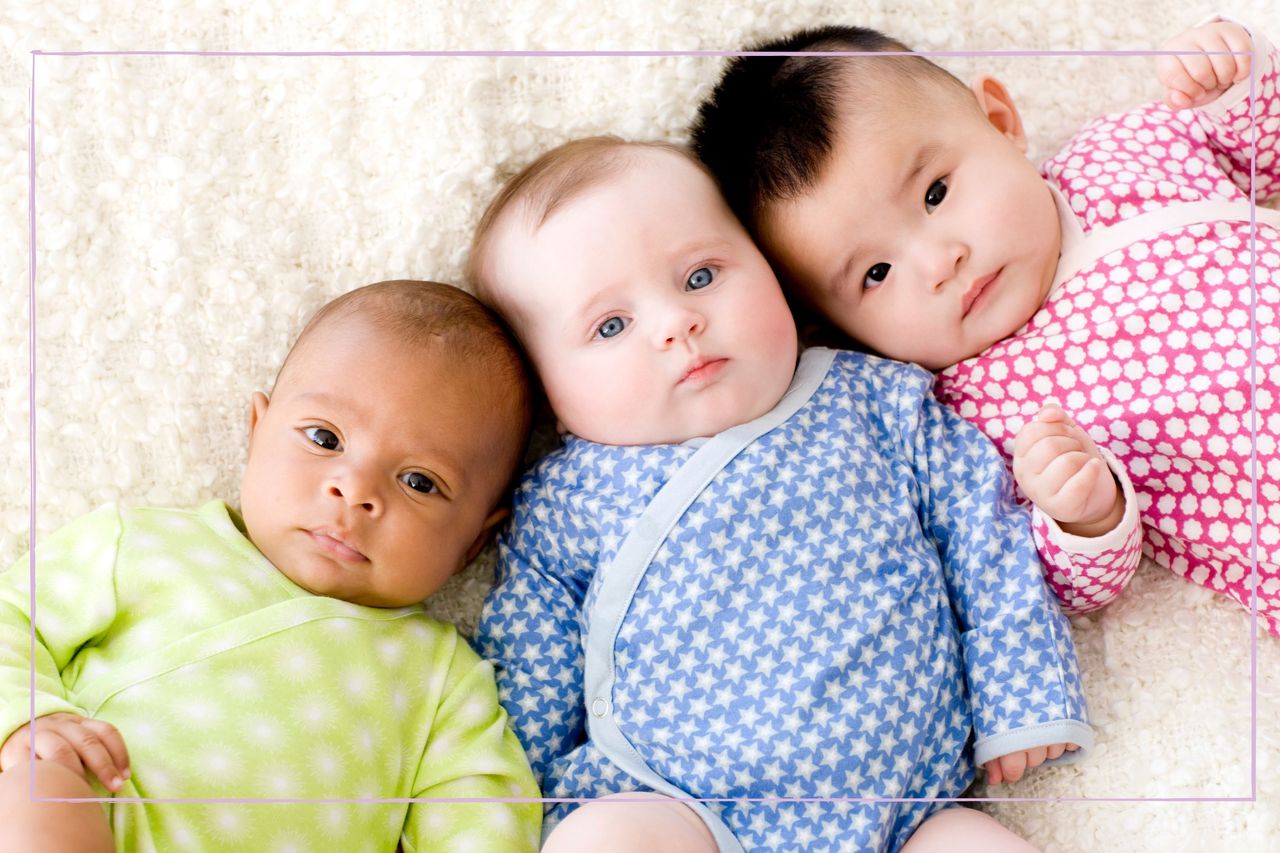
(741, 579)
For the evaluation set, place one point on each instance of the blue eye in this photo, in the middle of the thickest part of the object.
(612, 326)
(700, 278)
(419, 482)
(322, 437)
(935, 194)
(876, 275)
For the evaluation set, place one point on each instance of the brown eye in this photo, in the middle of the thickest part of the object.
(419, 482)
(322, 437)
(876, 275)
(935, 194)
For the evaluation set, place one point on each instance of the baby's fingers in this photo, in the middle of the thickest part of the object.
(96, 758)
(1034, 432)
(91, 753)
(1224, 68)
(1221, 65)
(1036, 756)
(52, 746)
(1237, 41)
(1181, 88)
(1071, 478)
(994, 776)
(1045, 452)
(1013, 766)
(113, 741)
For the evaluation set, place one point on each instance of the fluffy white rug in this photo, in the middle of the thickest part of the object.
(193, 210)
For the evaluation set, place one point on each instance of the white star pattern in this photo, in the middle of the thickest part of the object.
(835, 675)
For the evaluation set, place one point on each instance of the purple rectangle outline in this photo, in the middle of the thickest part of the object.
(1253, 399)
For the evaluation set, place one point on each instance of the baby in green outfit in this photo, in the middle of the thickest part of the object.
(281, 652)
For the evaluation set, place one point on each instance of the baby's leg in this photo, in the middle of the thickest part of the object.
(55, 827)
(959, 829)
(659, 823)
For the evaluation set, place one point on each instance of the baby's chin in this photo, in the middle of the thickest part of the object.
(665, 431)
(716, 420)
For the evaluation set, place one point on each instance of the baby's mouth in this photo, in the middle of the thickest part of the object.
(702, 368)
(975, 290)
(337, 545)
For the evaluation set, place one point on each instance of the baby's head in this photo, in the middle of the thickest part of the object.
(893, 198)
(377, 467)
(647, 311)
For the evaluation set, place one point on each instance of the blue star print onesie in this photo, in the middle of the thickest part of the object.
(825, 602)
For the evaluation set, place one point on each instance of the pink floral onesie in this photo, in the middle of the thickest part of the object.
(1146, 335)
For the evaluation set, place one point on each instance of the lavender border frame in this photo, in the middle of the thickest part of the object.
(1253, 410)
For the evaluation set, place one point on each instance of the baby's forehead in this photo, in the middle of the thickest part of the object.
(449, 355)
(622, 169)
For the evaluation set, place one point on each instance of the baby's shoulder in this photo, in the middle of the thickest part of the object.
(110, 523)
(579, 471)
(878, 383)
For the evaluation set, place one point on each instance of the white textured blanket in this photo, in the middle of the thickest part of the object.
(191, 211)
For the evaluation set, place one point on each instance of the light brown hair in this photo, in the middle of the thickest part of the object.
(544, 186)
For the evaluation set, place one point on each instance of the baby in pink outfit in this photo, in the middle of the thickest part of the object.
(1115, 281)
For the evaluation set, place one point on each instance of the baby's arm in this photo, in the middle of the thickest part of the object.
(472, 754)
(1025, 688)
(530, 631)
(1218, 88)
(1086, 523)
(75, 569)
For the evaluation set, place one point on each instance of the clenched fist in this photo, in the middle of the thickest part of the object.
(1061, 470)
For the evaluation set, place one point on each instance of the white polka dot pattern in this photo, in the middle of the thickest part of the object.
(1149, 348)
(227, 681)
(1082, 586)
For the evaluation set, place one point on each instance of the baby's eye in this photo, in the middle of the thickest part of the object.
(322, 437)
(700, 278)
(612, 326)
(419, 482)
(876, 275)
(935, 194)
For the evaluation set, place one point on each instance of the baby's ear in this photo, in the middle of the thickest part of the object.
(494, 518)
(998, 107)
(257, 408)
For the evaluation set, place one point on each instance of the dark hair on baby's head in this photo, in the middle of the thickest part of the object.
(769, 126)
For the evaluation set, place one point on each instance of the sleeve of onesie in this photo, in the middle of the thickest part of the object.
(1088, 573)
(75, 603)
(472, 754)
(530, 630)
(1020, 663)
(1234, 126)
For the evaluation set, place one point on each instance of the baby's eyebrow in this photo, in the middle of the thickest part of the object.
(841, 278)
(324, 398)
(590, 307)
(924, 154)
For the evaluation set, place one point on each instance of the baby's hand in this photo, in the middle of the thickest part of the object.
(1009, 768)
(1062, 471)
(73, 741)
(1193, 81)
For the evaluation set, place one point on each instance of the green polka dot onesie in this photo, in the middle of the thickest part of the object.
(228, 681)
